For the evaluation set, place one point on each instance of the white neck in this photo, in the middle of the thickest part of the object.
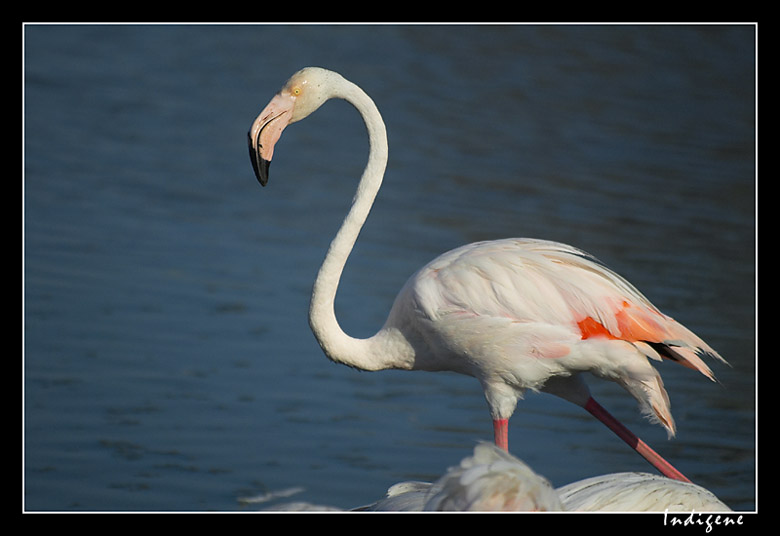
(388, 348)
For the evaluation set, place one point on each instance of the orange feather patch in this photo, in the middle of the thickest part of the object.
(592, 328)
(633, 325)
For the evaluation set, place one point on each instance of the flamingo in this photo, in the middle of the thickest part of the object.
(493, 480)
(517, 314)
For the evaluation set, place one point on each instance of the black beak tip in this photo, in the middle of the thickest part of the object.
(262, 171)
(259, 164)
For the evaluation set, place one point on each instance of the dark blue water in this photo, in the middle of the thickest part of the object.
(168, 363)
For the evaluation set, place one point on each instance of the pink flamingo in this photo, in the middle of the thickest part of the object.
(516, 314)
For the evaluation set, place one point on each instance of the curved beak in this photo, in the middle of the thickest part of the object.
(265, 132)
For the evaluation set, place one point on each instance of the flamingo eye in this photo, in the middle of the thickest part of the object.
(296, 90)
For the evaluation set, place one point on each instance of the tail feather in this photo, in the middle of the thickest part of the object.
(654, 334)
(684, 356)
(684, 347)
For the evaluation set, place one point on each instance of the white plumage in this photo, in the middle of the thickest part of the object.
(637, 492)
(509, 312)
(492, 480)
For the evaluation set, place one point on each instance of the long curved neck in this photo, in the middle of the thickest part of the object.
(382, 350)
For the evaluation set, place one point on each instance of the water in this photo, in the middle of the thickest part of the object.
(168, 363)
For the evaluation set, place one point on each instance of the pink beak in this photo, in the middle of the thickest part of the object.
(266, 131)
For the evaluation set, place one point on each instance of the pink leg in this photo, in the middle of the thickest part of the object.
(633, 441)
(501, 433)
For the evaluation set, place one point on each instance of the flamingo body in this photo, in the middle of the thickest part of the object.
(516, 314)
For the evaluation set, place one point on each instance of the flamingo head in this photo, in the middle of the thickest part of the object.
(303, 93)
